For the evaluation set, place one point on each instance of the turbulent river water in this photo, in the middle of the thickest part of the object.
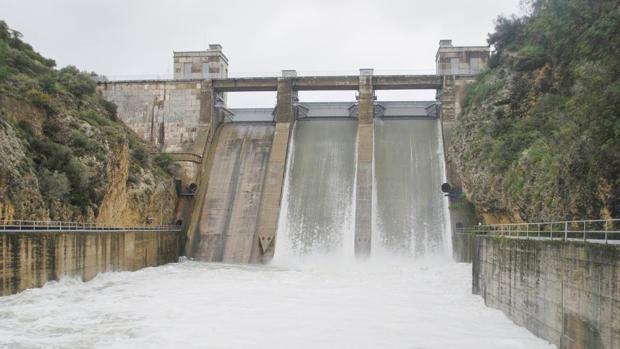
(383, 303)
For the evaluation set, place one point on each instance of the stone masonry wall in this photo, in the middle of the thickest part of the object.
(30, 259)
(566, 293)
(164, 113)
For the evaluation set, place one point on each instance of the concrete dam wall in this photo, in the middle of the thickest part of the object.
(227, 222)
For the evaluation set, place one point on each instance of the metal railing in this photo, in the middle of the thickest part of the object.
(50, 226)
(594, 230)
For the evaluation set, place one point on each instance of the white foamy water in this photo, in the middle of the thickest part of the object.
(333, 304)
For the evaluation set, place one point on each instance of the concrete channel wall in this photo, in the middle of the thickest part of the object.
(565, 292)
(30, 259)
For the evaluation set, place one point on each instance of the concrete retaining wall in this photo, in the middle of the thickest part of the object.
(566, 293)
(463, 247)
(31, 259)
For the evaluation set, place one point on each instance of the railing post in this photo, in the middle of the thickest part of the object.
(606, 231)
(551, 232)
(565, 231)
(527, 230)
(584, 231)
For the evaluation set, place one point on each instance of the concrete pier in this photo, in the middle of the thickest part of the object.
(363, 184)
(274, 178)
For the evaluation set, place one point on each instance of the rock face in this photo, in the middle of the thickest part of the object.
(148, 197)
(15, 174)
(137, 204)
(63, 153)
(538, 136)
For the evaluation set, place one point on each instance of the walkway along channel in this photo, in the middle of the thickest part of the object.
(560, 280)
(35, 252)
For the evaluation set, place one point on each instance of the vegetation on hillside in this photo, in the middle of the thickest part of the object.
(59, 140)
(539, 138)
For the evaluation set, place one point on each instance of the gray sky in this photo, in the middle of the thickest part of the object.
(133, 38)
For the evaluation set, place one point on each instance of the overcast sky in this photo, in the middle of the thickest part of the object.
(133, 38)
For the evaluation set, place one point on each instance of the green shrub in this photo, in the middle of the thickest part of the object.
(83, 145)
(115, 135)
(96, 119)
(59, 157)
(26, 128)
(76, 172)
(142, 156)
(48, 83)
(51, 127)
(164, 161)
(77, 83)
(111, 108)
(42, 100)
(54, 185)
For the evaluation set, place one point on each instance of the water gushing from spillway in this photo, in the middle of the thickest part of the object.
(317, 214)
(410, 210)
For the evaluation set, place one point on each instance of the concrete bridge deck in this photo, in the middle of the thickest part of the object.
(318, 83)
(312, 83)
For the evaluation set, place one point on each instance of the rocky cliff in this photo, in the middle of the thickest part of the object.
(63, 154)
(539, 136)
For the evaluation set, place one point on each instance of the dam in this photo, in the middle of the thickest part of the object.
(366, 167)
(310, 224)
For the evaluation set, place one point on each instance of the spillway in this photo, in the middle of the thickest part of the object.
(409, 210)
(317, 210)
(409, 169)
(227, 223)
